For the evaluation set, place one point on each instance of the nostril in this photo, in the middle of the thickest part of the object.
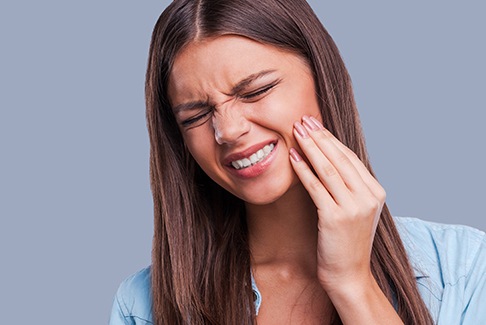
(228, 129)
(218, 137)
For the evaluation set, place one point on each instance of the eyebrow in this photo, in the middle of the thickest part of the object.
(248, 80)
(236, 89)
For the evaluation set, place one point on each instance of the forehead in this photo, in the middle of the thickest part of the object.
(216, 64)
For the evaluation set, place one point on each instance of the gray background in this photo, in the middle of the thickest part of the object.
(75, 202)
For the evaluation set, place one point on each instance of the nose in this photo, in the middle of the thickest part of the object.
(229, 123)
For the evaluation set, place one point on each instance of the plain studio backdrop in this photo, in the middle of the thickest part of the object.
(75, 201)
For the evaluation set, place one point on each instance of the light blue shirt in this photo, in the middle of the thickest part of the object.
(449, 263)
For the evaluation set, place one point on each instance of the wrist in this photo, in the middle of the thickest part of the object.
(351, 288)
(360, 300)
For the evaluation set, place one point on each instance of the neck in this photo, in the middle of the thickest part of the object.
(284, 233)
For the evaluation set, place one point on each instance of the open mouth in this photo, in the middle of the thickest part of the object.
(254, 158)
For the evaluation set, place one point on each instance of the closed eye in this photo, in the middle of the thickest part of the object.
(259, 92)
(191, 121)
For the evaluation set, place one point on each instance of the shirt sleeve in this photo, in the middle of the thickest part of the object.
(118, 316)
(475, 290)
(132, 304)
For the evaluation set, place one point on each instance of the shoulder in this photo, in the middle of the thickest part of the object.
(449, 263)
(134, 298)
(456, 247)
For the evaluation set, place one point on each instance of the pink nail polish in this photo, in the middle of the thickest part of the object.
(300, 130)
(295, 155)
(317, 123)
(309, 124)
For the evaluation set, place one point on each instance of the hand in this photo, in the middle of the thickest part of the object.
(349, 201)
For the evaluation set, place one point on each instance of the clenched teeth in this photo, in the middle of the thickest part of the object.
(254, 158)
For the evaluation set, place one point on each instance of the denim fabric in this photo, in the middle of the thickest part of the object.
(449, 263)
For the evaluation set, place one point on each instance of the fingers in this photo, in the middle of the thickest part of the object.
(325, 170)
(368, 179)
(333, 166)
(371, 181)
(319, 194)
(336, 156)
(339, 169)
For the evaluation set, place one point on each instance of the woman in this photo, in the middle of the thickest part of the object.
(266, 208)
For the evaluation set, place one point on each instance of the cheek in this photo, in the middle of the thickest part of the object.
(283, 109)
(280, 110)
(298, 100)
(200, 146)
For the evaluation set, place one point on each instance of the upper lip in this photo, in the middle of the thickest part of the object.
(246, 153)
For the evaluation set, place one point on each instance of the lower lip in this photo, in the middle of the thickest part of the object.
(257, 169)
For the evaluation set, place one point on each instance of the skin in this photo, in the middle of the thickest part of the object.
(310, 233)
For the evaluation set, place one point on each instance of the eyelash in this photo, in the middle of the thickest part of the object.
(259, 92)
(249, 96)
(194, 119)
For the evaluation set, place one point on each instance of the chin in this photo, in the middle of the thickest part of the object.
(266, 193)
(261, 200)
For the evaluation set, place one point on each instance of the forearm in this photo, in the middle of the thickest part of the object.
(363, 303)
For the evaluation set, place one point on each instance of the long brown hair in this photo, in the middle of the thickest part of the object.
(200, 258)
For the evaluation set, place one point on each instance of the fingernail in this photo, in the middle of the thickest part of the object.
(309, 124)
(295, 155)
(316, 122)
(300, 130)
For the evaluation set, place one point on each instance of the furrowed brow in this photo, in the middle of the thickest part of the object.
(190, 106)
(248, 80)
(235, 90)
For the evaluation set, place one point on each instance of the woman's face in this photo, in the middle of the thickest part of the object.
(235, 101)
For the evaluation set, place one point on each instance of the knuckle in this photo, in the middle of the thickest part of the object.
(321, 135)
(381, 194)
(322, 138)
(337, 218)
(373, 204)
(357, 213)
(328, 170)
(353, 211)
(343, 159)
(315, 184)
